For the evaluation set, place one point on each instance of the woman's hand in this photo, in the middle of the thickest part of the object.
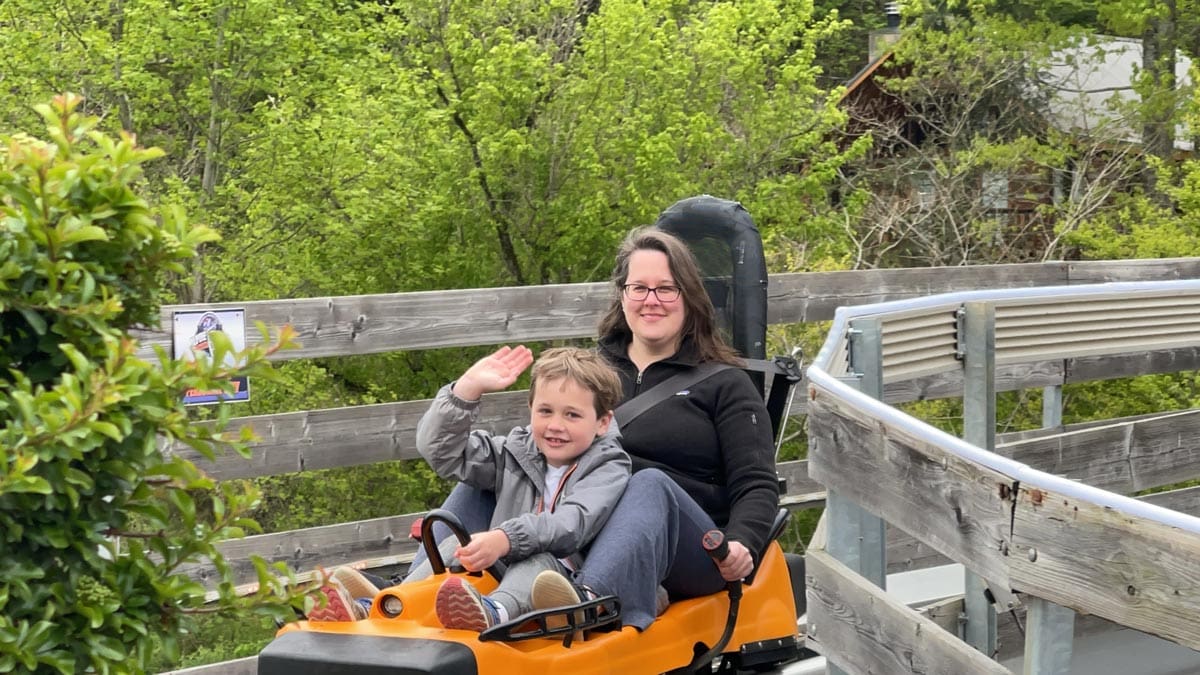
(738, 564)
(484, 550)
(492, 373)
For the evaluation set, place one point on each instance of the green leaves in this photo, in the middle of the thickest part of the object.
(96, 523)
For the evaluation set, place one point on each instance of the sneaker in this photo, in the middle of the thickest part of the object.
(358, 585)
(552, 590)
(339, 604)
(460, 606)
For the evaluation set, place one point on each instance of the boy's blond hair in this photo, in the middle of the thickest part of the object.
(586, 368)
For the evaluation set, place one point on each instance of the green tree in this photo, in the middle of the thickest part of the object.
(510, 143)
(843, 53)
(1162, 225)
(95, 519)
(379, 147)
(1160, 27)
(452, 145)
(975, 155)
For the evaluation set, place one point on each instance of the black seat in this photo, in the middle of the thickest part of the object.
(726, 243)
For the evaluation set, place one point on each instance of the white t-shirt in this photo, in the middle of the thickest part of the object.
(554, 476)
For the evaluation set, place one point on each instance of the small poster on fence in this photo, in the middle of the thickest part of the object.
(192, 340)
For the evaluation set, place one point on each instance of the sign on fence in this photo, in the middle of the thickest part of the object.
(193, 330)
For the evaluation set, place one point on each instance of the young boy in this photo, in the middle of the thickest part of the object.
(556, 480)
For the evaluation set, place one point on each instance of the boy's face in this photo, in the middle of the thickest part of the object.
(563, 419)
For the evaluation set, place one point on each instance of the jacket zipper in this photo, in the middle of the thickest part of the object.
(557, 492)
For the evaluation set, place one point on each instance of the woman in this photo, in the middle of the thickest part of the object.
(702, 458)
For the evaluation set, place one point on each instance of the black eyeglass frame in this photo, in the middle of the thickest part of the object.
(627, 289)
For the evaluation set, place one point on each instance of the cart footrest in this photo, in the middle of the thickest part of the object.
(593, 614)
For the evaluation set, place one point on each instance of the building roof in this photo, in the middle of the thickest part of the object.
(864, 74)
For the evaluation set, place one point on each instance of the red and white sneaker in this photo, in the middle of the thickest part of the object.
(339, 604)
(460, 606)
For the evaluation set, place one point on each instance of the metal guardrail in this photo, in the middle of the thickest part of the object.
(1057, 543)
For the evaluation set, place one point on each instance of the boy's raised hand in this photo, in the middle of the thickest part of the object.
(493, 373)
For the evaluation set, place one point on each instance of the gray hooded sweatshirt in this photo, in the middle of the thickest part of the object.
(512, 468)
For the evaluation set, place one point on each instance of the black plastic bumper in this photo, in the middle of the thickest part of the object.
(311, 653)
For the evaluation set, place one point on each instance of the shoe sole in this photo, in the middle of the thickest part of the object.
(355, 583)
(458, 608)
(553, 590)
(335, 608)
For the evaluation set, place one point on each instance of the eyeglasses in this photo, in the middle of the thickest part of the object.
(640, 292)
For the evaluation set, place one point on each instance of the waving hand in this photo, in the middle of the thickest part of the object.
(495, 372)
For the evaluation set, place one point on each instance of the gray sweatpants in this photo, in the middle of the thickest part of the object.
(652, 537)
(514, 590)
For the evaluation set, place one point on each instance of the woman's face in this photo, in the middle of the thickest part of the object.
(656, 323)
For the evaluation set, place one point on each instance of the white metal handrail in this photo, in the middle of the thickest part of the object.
(829, 365)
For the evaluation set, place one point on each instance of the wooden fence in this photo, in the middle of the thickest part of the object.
(338, 326)
(1039, 522)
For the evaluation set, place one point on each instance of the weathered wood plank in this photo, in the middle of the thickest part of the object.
(1031, 434)
(326, 546)
(318, 439)
(1124, 457)
(801, 491)
(352, 436)
(905, 552)
(1011, 377)
(1183, 500)
(368, 324)
(957, 508)
(1096, 560)
(858, 627)
(386, 539)
(364, 538)
(341, 437)
(945, 613)
(1160, 269)
(1092, 368)
(814, 296)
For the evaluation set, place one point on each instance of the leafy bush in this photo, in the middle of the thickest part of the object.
(95, 519)
(213, 639)
(313, 498)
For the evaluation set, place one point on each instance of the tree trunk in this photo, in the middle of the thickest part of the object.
(212, 145)
(1159, 49)
(212, 149)
(117, 7)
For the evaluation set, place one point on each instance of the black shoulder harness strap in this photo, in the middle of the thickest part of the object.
(631, 409)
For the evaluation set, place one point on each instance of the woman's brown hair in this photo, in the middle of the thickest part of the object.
(700, 319)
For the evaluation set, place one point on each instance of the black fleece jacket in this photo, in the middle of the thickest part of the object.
(714, 440)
